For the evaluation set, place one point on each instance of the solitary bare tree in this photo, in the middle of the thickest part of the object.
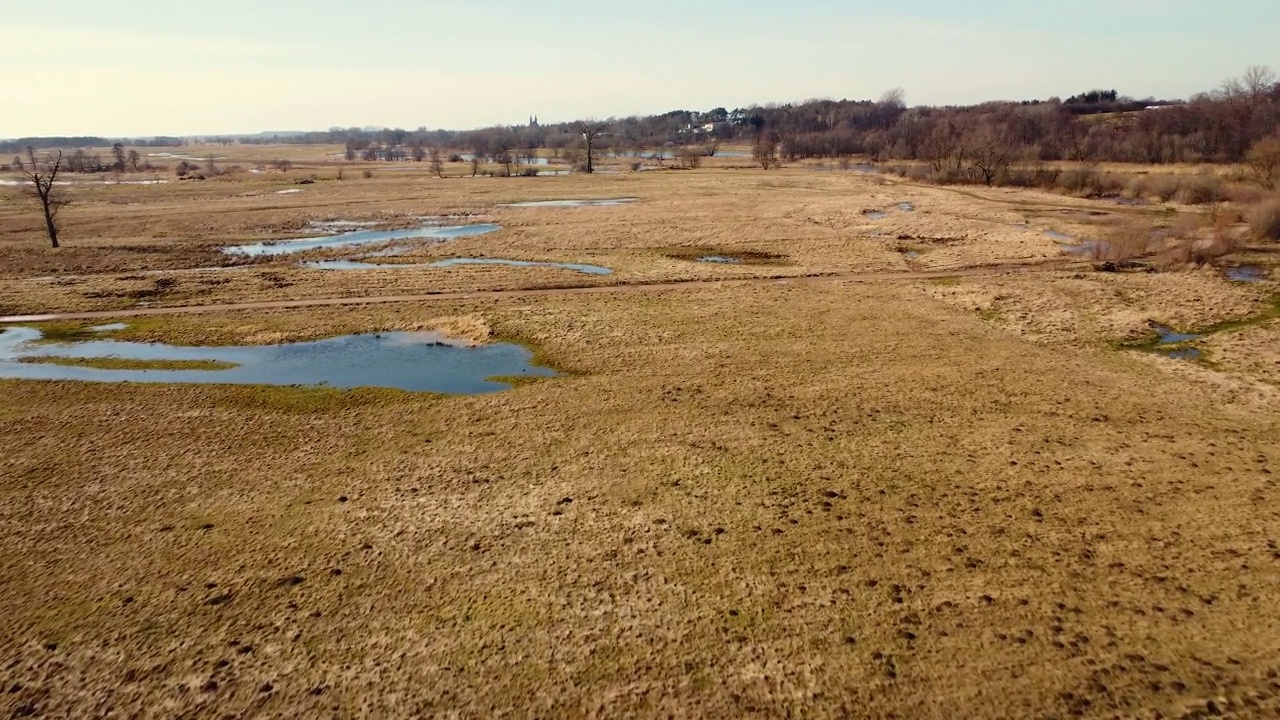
(42, 178)
(437, 163)
(591, 131)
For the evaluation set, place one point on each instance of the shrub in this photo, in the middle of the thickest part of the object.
(1265, 220)
(367, 174)
(1136, 188)
(919, 173)
(1199, 190)
(1109, 183)
(1163, 187)
(1129, 241)
(1075, 181)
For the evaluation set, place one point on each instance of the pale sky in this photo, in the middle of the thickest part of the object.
(151, 67)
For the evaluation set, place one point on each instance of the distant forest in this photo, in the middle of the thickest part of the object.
(1220, 125)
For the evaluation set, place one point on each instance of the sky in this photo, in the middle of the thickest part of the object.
(127, 68)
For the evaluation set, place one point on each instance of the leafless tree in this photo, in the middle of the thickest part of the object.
(437, 165)
(1264, 159)
(1257, 82)
(765, 149)
(42, 177)
(134, 160)
(895, 98)
(591, 131)
(117, 151)
(475, 165)
(991, 154)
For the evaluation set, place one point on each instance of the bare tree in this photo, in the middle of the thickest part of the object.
(991, 154)
(765, 149)
(1257, 82)
(42, 178)
(117, 151)
(1264, 159)
(475, 165)
(134, 160)
(591, 131)
(895, 98)
(437, 165)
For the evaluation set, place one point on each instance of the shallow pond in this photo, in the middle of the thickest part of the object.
(360, 237)
(906, 207)
(1247, 273)
(720, 259)
(1169, 336)
(468, 157)
(416, 362)
(608, 202)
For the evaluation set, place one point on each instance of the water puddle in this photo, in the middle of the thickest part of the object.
(906, 207)
(1181, 353)
(1169, 336)
(720, 259)
(292, 191)
(874, 215)
(1246, 273)
(1061, 237)
(608, 202)
(360, 237)
(417, 362)
(113, 327)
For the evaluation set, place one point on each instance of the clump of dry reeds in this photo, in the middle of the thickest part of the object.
(1265, 220)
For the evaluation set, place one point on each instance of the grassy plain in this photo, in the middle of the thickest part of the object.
(841, 490)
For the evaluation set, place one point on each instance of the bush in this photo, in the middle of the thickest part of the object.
(1110, 183)
(1136, 188)
(1163, 187)
(1124, 243)
(368, 174)
(919, 173)
(1199, 190)
(1265, 220)
(1076, 181)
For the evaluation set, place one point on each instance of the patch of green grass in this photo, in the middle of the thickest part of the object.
(66, 332)
(115, 363)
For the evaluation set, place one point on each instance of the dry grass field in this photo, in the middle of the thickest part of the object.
(899, 463)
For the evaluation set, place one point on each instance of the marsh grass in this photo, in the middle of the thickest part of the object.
(115, 363)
